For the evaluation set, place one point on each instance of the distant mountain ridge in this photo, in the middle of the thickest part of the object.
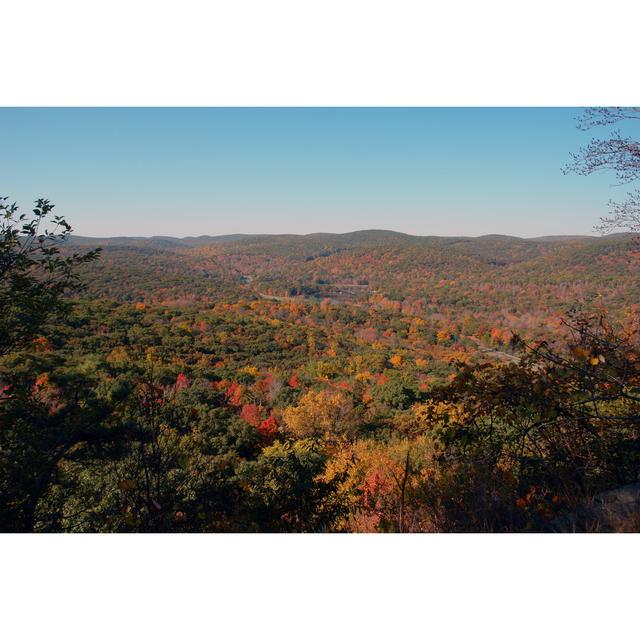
(364, 236)
(504, 275)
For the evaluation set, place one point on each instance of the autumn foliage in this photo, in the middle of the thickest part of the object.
(370, 384)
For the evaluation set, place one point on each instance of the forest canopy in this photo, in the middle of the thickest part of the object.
(366, 382)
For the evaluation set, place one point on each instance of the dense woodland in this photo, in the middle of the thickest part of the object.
(365, 382)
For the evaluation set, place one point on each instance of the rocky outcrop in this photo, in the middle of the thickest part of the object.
(617, 510)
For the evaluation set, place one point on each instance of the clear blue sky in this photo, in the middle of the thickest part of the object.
(180, 172)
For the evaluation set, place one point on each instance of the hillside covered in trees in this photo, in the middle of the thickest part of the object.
(368, 382)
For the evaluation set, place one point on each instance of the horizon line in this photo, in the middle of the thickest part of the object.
(346, 233)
